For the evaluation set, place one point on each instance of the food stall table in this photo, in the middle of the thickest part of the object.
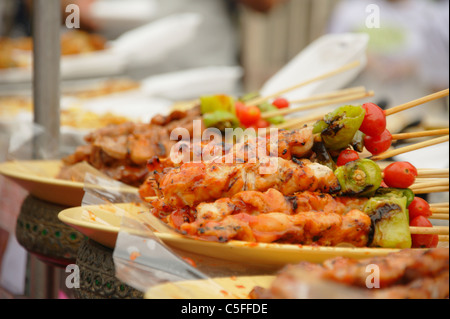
(40, 232)
(97, 274)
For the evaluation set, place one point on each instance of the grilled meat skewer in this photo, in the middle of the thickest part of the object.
(194, 183)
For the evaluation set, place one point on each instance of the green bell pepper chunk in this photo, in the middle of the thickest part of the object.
(220, 119)
(319, 127)
(219, 111)
(220, 102)
(399, 192)
(339, 127)
(267, 107)
(390, 222)
(361, 178)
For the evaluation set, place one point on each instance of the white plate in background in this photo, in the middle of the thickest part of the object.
(193, 83)
(326, 54)
(120, 14)
(145, 45)
(435, 156)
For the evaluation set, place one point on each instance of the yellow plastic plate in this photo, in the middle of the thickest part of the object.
(102, 224)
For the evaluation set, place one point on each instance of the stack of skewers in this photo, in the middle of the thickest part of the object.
(221, 201)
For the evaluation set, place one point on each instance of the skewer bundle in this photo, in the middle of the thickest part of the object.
(327, 102)
(428, 180)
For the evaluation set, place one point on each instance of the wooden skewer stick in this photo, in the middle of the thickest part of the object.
(329, 95)
(423, 177)
(426, 172)
(298, 125)
(151, 198)
(439, 210)
(404, 136)
(435, 230)
(436, 189)
(294, 123)
(430, 184)
(299, 122)
(443, 238)
(347, 67)
(347, 98)
(410, 148)
(439, 216)
(417, 102)
(430, 178)
(420, 180)
(388, 112)
(436, 205)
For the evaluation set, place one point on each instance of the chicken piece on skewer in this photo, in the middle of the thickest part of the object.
(303, 218)
(307, 228)
(407, 274)
(295, 143)
(404, 266)
(194, 183)
(421, 288)
(256, 203)
(286, 144)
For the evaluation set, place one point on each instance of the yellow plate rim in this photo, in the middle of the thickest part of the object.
(229, 284)
(14, 174)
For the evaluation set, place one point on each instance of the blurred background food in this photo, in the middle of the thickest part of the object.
(132, 60)
(407, 55)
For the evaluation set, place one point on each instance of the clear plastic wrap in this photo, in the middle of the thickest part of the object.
(100, 189)
(17, 138)
(20, 138)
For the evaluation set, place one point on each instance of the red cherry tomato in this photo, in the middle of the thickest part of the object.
(419, 207)
(347, 156)
(400, 174)
(239, 106)
(262, 123)
(281, 103)
(249, 115)
(421, 241)
(435, 241)
(378, 144)
(374, 123)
